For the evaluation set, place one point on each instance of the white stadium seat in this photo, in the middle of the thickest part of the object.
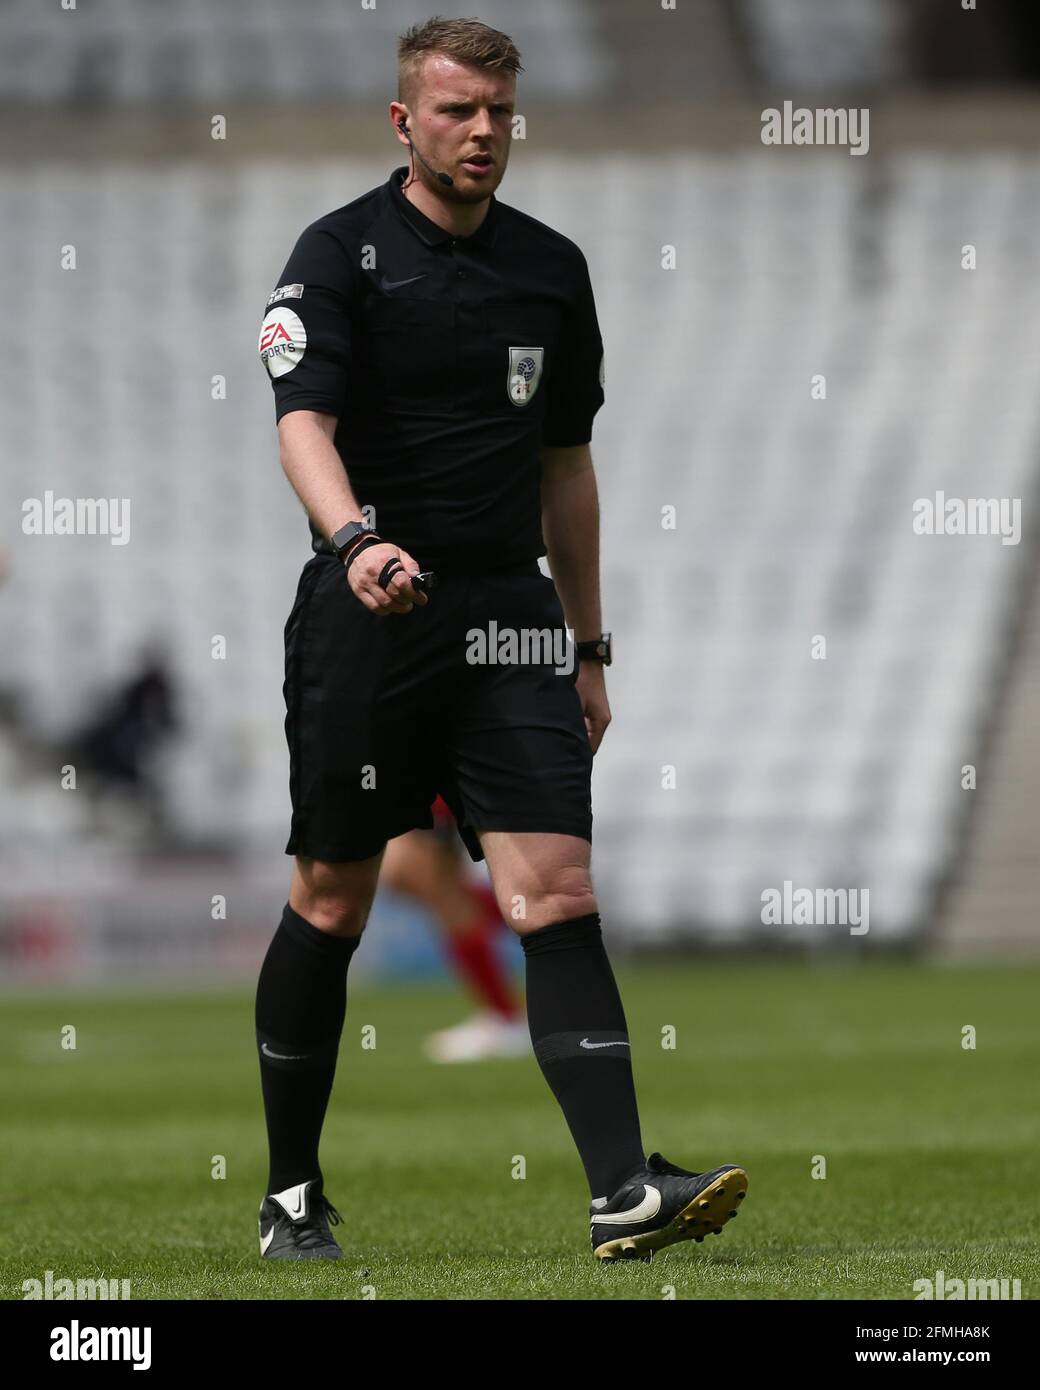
(794, 516)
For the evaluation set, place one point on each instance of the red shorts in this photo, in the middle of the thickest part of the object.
(444, 825)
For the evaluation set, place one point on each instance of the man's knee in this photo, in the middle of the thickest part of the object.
(334, 897)
(559, 897)
(539, 878)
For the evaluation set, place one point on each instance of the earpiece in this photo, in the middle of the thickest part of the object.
(446, 179)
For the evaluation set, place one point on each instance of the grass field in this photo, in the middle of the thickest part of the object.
(932, 1152)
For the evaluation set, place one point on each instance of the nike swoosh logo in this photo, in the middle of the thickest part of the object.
(282, 1056)
(291, 1201)
(645, 1211)
(265, 1241)
(620, 1042)
(396, 284)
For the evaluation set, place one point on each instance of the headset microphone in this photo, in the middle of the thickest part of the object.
(446, 179)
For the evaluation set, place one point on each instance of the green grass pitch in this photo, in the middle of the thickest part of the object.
(932, 1153)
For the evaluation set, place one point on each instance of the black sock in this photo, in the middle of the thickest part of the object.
(580, 1039)
(301, 1001)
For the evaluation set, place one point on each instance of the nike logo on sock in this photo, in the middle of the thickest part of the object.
(292, 1200)
(283, 1056)
(645, 1211)
(619, 1042)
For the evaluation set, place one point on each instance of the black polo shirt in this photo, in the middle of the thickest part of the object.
(448, 362)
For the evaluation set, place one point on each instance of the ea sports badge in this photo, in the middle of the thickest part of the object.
(283, 340)
(525, 372)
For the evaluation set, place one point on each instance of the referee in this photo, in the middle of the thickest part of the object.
(437, 363)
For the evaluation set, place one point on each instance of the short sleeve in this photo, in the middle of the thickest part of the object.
(575, 385)
(305, 338)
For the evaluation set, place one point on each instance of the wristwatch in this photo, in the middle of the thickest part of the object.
(597, 650)
(342, 540)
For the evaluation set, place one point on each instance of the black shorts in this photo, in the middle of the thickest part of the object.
(385, 713)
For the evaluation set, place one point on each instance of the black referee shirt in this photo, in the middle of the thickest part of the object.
(448, 361)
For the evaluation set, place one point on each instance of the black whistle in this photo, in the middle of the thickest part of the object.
(425, 581)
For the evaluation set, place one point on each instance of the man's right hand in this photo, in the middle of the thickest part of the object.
(398, 596)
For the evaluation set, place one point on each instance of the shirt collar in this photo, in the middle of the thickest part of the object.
(428, 230)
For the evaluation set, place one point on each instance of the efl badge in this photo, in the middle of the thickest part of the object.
(285, 292)
(525, 372)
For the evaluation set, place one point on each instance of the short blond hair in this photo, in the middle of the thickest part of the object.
(465, 40)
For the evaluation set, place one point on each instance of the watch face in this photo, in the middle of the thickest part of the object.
(596, 650)
(346, 534)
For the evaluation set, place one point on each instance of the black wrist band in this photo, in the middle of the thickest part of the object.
(365, 543)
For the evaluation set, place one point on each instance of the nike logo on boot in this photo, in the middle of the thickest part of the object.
(645, 1211)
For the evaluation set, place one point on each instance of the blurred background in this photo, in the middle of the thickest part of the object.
(138, 253)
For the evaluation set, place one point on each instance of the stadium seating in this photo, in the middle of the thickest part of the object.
(223, 54)
(793, 515)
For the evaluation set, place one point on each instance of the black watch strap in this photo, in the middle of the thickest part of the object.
(597, 650)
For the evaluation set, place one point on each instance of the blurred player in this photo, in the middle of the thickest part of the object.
(426, 865)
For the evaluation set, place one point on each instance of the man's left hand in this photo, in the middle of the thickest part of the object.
(591, 686)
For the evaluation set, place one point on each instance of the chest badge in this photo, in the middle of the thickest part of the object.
(525, 372)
